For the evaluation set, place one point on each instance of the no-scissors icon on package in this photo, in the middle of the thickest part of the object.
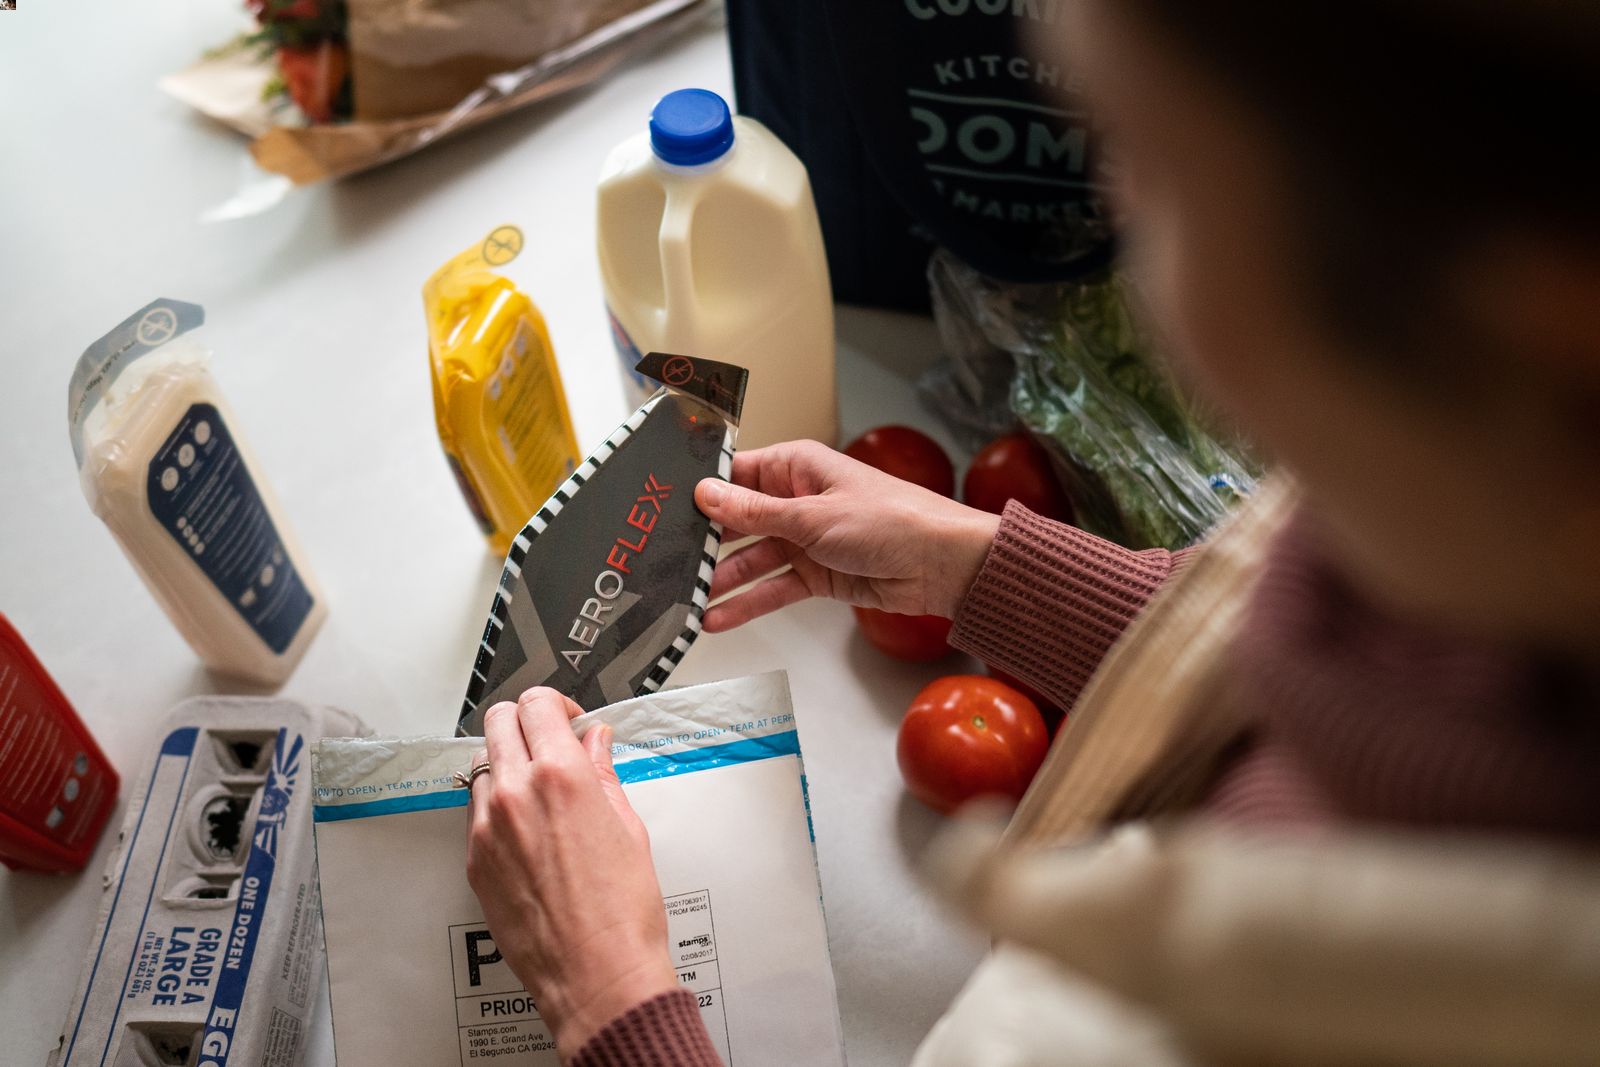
(678, 371)
(502, 246)
(157, 327)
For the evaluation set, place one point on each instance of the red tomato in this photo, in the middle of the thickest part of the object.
(1015, 467)
(1052, 714)
(908, 454)
(968, 736)
(913, 638)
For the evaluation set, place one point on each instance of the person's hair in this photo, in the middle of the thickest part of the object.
(1413, 127)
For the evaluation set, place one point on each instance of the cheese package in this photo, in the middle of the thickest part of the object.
(714, 772)
(209, 945)
(603, 589)
(164, 462)
(497, 397)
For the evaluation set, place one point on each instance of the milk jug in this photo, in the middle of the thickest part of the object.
(162, 461)
(709, 244)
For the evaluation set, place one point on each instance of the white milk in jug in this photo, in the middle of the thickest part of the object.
(162, 462)
(710, 246)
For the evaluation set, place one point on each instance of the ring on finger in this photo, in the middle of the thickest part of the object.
(465, 780)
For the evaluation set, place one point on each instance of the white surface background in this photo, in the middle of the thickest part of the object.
(315, 320)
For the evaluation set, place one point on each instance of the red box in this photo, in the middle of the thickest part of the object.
(56, 787)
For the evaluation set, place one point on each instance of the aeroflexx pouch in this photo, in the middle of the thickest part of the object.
(603, 590)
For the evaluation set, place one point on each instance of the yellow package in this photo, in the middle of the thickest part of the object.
(497, 393)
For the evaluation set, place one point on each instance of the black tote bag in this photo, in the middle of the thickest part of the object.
(926, 122)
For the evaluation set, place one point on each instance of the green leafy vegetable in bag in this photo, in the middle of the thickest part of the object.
(1142, 466)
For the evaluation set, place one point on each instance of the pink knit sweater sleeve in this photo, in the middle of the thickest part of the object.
(1048, 603)
(1050, 600)
(664, 1031)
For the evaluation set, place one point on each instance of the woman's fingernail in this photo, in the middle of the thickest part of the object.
(713, 491)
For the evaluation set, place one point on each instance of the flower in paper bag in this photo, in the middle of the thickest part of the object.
(303, 62)
(307, 41)
(314, 76)
(283, 10)
(299, 21)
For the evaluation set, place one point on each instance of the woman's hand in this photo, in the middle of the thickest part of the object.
(845, 530)
(561, 865)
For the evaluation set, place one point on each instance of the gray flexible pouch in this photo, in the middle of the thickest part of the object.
(603, 590)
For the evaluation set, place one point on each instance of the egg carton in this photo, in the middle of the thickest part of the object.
(209, 945)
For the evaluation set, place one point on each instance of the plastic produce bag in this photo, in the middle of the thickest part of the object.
(1067, 360)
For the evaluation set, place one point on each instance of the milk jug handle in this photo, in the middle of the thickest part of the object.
(677, 263)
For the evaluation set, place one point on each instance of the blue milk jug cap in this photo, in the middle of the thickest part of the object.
(691, 126)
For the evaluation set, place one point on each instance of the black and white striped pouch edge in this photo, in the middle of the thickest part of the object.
(702, 589)
(536, 525)
(524, 541)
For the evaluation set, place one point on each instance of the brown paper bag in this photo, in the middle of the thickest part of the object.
(413, 57)
(413, 67)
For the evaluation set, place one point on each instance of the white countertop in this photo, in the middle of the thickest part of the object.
(314, 317)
